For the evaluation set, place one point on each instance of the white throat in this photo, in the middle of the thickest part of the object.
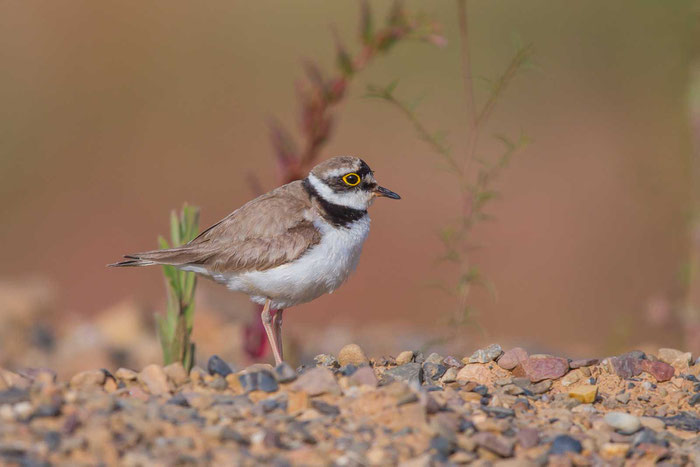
(356, 199)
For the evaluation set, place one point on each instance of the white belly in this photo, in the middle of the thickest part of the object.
(322, 269)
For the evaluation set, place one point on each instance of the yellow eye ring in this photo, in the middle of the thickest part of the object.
(352, 179)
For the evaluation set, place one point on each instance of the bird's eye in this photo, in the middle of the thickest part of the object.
(351, 179)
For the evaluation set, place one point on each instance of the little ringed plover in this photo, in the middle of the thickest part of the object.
(288, 246)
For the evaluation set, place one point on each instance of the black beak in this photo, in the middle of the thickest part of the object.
(381, 191)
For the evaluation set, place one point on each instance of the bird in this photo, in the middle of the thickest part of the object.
(288, 246)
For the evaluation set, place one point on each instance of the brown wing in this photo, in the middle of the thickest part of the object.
(268, 231)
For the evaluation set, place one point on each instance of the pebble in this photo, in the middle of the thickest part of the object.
(284, 373)
(540, 368)
(263, 380)
(326, 360)
(585, 393)
(89, 378)
(623, 422)
(352, 354)
(363, 377)
(495, 443)
(626, 367)
(176, 373)
(435, 358)
(652, 423)
(659, 370)
(486, 355)
(511, 358)
(563, 444)
(584, 362)
(433, 371)
(156, 381)
(316, 381)
(13, 395)
(623, 398)
(404, 357)
(675, 357)
(216, 366)
(125, 374)
(409, 373)
(614, 450)
(450, 375)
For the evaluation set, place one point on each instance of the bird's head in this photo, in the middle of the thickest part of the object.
(347, 181)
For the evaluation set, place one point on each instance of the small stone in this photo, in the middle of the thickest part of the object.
(652, 423)
(572, 377)
(583, 362)
(623, 398)
(433, 371)
(325, 408)
(528, 437)
(626, 367)
(450, 375)
(297, 402)
(352, 354)
(565, 443)
(450, 361)
(623, 422)
(614, 450)
(409, 373)
(216, 366)
(363, 377)
(404, 357)
(155, 380)
(285, 373)
(125, 374)
(511, 358)
(13, 395)
(659, 370)
(585, 393)
(486, 355)
(477, 373)
(90, 378)
(316, 381)
(684, 421)
(675, 357)
(262, 380)
(497, 444)
(176, 373)
(434, 358)
(539, 368)
(539, 388)
(326, 360)
(694, 399)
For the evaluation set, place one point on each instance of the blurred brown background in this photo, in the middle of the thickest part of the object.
(113, 113)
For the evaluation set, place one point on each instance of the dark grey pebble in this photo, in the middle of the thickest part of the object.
(647, 436)
(433, 370)
(563, 444)
(13, 396)
(442, 446)
(229, 434)
(178, 399)
(325, 408)
(481, 389)
(258, 380)
(694, 399)
(347, 370)
(52, 440)
(499, 412)
(285, 373)
(683, 421)
(410, 373)
(216, 366)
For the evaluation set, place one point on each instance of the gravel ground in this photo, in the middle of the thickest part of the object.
(489, 408)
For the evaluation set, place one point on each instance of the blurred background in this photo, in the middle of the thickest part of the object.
(114, 113)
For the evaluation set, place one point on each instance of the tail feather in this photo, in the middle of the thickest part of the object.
(172, 256)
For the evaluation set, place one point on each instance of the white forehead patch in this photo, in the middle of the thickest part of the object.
(356, 199)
